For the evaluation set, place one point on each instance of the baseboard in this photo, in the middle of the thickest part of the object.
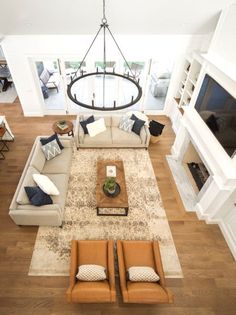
(231, 243)
(33, 114)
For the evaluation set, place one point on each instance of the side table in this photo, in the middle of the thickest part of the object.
(68, 130)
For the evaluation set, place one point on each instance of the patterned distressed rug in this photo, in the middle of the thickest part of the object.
(146, 219)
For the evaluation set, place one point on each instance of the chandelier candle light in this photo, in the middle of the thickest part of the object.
(80, 75)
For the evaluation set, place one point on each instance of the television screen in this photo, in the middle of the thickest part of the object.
(218, 109)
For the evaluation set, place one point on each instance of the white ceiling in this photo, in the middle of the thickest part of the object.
(124, 16)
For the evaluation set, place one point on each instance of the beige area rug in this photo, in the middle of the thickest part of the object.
(146, 219)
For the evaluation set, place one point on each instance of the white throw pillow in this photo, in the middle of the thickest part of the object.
(91, 273)
(45, 184)
(138, 115)
(96, 127)
(143, 274)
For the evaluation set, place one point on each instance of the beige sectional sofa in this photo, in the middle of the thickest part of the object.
(113, 137)
(58, 170)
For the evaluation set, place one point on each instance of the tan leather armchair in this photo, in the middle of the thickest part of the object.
(92, 252)
(142, 253)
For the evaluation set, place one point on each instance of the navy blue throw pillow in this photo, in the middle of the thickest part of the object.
(137, 125)
(155, 128)
(84, 123)
(51, 138)
(37, 197)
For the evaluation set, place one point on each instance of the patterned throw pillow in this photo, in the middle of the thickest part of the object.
(143, 274)
(126, 123)
(51, 150)
(91, 273)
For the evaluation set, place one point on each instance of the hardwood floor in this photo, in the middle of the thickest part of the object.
(209, 283)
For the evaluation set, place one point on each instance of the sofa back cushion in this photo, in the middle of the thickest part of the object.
(107, 119)
(38, 158)
(28, 180)
(116, 120)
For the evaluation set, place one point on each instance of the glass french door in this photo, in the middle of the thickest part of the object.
(51, 85)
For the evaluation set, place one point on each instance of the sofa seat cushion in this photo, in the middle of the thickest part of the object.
(91, 291)
(122, 137)
(28, 180)
(60, 164)
(139, 291)
(61, 182)
(103, 138)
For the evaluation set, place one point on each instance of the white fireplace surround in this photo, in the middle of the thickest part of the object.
(216, 200)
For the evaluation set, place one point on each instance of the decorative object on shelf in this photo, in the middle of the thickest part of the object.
(128, 77)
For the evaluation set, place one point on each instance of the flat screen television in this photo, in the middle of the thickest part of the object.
(218, 110)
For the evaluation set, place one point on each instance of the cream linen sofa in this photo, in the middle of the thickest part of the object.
(113, 137)
(58, 170)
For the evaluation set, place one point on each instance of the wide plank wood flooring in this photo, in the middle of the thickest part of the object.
(209, 283)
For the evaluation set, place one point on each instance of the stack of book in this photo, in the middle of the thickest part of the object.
(62, 125)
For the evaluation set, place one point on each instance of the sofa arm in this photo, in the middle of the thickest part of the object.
(78, 132)
(145, 135)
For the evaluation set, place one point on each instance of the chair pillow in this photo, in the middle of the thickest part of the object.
(126, 123)
(51, 138)
(37, 197)
(91, 273)
(51, 150)
(155, 128)
(45, 184)
(138, 124)
(84, 123)
(96, 127)
(142, 274)
(139, 115)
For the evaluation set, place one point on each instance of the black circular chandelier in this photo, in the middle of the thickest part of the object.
(129, 77)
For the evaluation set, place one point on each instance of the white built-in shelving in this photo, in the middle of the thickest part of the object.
(188, 82)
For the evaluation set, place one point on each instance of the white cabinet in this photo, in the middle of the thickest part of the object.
(227, 222)
(188, 80)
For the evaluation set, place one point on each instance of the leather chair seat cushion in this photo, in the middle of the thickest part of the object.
(138, 254)
(146, 291)
(92, 253)
(91, 291)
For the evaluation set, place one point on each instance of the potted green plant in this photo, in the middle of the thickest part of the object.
(110, 185)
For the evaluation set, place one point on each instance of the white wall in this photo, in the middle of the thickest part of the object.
(21, 50)
(1, 53)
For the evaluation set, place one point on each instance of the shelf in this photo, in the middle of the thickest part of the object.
(190, 93)
(193, 82)
(177, 99)
(181, 110)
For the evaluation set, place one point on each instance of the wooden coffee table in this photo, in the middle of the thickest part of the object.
(103, 201)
